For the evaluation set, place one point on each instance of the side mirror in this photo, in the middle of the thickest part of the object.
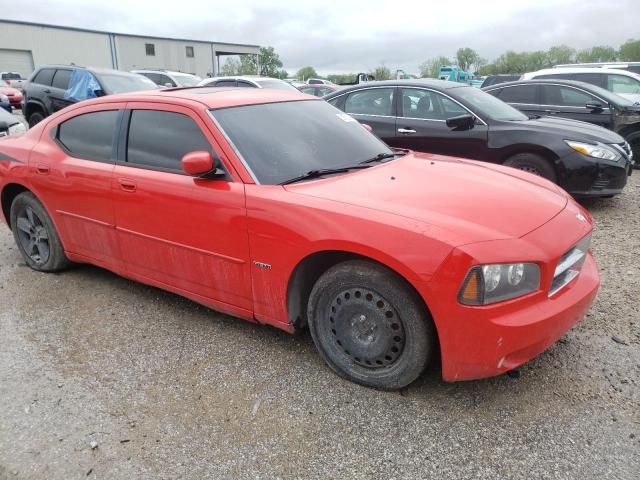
(201, 164)
(99, 92)
(169, 85)
(367, 127)
(461, 122)
(594, 107)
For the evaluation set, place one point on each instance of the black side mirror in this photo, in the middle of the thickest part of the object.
(99, 92)
(461, 122)
(594, 107)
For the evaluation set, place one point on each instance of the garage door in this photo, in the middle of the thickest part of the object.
(20, 61)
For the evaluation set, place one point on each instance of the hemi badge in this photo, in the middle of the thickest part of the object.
(262, 265)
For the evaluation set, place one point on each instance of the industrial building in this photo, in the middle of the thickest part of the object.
(25, 46)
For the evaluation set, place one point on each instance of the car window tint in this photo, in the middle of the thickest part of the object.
(309, 90)
(44, 76)
(622, 84)
(89, 136)
(61, 79)
(244, 84)
(565, 96)
(372, 101)
(154, 77)
(324, 91)
(165, 80)
(160, 139)
(496, 92)
(429, 105)
(557, 76)
(519, 94)
(226, 83)
(592, 78)
(334, 101)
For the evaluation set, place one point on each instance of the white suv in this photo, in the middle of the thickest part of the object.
(621, 82)
(168, 78)
(247, 81)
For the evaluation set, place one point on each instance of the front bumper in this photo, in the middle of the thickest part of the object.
(484, 341)
(587, 177)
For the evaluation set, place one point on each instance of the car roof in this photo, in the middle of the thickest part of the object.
(421, 82)
(575, 83)
(169, 72)
(565, 70)
(97, 70)
(212, 97)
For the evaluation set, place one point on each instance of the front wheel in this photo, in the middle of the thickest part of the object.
(35, 235)
(35, 118)
(369, 326)
(634, 143)
(532, 163)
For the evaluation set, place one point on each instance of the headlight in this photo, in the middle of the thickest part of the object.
(17, 128)
(596, 151)
(487, 284)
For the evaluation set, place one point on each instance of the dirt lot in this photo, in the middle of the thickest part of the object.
(168, 389)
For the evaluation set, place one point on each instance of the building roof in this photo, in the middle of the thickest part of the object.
(104, 32)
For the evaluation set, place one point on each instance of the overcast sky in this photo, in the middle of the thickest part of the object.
(340, 36)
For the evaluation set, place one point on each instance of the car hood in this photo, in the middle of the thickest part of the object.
(475, 201)
(573, 129)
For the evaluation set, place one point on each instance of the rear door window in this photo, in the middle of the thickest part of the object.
(159, 139)
(89, 136)
(519, 94)
(566, 96)
(372, 101)
(44, 76)
(226, 83)
(592, 78)
(242, 83)
(61, 79)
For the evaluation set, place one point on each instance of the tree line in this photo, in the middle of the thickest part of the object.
(268, 64)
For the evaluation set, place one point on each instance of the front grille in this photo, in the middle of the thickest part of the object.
(600, 183)
(569, 265)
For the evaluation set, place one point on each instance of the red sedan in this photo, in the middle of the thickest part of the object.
(15, 96)
(229, 198)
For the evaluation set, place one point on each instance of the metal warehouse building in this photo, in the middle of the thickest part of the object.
(25, 45)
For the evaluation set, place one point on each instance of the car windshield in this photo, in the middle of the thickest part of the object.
(280, 141)
(11, 76)
(487, 105)
(277, 84)
(187, 80)
(120, 83)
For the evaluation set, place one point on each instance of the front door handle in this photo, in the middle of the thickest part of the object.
(406, 131)
(42, 169)
(127, 185)
(46, 90)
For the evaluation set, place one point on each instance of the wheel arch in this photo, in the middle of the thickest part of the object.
(9, 192)
(544, 152)
(31, 106)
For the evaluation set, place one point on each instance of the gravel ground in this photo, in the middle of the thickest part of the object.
(101, 377)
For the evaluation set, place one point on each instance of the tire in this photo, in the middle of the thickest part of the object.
(35, 235)
(370, 326)
(532, 163)
(35, 118)
(634, 143)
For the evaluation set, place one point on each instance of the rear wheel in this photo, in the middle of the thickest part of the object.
(532, 163)
(369, 326)
(35, 118)
(35, 235)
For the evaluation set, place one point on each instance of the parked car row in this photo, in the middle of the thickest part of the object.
(278, 208)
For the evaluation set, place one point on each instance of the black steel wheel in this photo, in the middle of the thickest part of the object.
(532, 163)
(35, 235)
(369, 325)
(35, 118)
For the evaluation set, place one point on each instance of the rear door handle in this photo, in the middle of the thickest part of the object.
(127, 185)
(406, 131)
(46, 90)
(42, 169)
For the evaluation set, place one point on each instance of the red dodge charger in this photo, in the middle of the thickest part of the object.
(276, 207)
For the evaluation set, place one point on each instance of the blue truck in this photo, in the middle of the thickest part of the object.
(454, 74)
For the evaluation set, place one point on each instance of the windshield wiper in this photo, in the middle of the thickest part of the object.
(380, 156)
(322, 171)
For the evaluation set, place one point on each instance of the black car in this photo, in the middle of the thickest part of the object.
(45, 91)
(577, 100)
(455, 119)
(496, 79)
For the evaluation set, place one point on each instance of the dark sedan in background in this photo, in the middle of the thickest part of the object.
(454, 119)
(576, 100)
(318, 90)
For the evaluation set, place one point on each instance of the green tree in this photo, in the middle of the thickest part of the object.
(600, 53)
(306, 73)
(561, 54)
(282, 74)
(630, 51)
(381, 73)
(231, 67)
(466, 57)
(342, 78)
(267, 63)
(248, 65)
(431, 67)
